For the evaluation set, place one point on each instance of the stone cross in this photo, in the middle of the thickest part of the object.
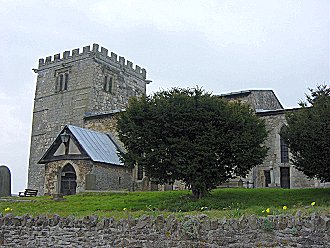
(5, 181)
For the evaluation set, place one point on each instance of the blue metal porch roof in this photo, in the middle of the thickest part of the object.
(99, 146)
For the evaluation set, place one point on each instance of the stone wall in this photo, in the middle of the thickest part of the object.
(52, 111)
(105, 177)
(157, 231)
(111, 177)
(53, 171)
(256, 99)
(106, 123)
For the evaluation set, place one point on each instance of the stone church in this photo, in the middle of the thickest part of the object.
(74, 142)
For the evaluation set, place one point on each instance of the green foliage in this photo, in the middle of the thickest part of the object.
(190, 135)
(308, 134)
(232, 203)
(267, 225)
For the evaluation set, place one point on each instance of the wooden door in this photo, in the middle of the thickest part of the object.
(285, 177)
(68, 180)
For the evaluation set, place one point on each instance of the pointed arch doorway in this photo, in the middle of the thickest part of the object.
(68, 180)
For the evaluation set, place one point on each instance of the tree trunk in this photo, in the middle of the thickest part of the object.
(198, 193)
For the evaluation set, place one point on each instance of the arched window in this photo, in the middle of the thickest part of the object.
(284, 149)
(139, 172)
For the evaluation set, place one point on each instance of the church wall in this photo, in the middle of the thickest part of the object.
(102, 123)
(124, 86)
(53, 170)
(272, 162)
(52, 111)
(110, 177)
(256, 99)
(107, 177)
(264, 99)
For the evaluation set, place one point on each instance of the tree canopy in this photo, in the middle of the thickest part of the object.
(193, 136)
(308, 134)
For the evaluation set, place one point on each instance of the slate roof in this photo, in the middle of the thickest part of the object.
(99, 146)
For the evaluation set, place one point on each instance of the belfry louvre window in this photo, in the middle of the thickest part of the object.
(62, 80)
(108, 84)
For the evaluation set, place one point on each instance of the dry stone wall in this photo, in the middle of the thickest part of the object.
(157, 231)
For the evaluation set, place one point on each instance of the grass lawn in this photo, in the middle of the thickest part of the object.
(231, 203)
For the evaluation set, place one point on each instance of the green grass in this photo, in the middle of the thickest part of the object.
(220, 203)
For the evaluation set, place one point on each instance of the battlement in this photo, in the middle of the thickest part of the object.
(99, 55)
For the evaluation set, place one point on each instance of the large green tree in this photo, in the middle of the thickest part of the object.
(308, 134)
(190, 135)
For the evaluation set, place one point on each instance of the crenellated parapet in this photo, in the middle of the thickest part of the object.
(100, 55)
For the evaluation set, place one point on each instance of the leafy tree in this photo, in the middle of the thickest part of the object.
(190, 135)
(308, 134)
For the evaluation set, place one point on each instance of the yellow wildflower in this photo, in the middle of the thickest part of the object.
(268, 210)
(285, 207)
(8, 209)
(124, 209)
(313, 203)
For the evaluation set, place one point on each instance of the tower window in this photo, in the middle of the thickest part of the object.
(108, 84)
(62, 80)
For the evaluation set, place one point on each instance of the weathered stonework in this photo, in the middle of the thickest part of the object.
(106, 123)
(268, 107)
(114, 178)
(257, 99)
(157, 231)
(275, 120)
(83, 95)
(107, 177)
(53, 170)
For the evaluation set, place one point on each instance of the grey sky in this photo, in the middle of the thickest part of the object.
(222, 46)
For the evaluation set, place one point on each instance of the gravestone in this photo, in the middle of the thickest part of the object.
(5, 181)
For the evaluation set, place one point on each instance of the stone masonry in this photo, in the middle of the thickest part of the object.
(106, 176)
(275, 120)
(73, 86)
(159, 232)
(268, 108)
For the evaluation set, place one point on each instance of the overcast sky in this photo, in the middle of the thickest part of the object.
(222, 46)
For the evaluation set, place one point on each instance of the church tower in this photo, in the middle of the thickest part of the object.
(73, 86)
